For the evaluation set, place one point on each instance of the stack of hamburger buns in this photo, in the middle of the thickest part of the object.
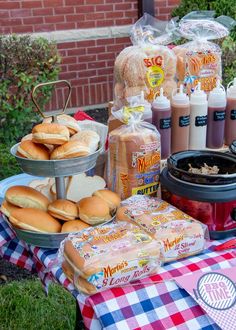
(61, 140)
(28, 209)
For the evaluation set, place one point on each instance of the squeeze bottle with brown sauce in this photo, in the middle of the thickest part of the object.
(180, 118)
(216, 117)
(161, 119)
(230, 113)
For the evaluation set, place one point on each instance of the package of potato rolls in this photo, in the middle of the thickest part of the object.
(133, 164)
(148, 64)
(107, 256)
(180, 234)
(199, 60)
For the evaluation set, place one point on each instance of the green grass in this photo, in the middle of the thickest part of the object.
(24, 306)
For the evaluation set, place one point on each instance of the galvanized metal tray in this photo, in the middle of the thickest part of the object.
(43, 240)
(56, 168)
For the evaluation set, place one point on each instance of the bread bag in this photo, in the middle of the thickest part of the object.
(108, 256)
(180, 234)
(199, 60)
(148, 63)
(133, 165)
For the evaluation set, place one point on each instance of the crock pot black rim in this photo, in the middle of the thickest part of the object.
(172, 166)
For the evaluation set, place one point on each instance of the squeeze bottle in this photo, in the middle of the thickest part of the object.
(198, 118)
(230, 113)
(161, 118)
(216, 116)
(147, 114)
(180, 115)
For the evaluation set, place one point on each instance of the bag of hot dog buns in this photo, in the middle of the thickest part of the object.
(180, 234)
(199, 60)
(133, 164)
(148, 64)
(107, 256)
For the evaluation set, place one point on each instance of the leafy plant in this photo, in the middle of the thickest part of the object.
(24, 63)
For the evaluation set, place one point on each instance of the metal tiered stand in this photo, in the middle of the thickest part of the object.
(52, 168)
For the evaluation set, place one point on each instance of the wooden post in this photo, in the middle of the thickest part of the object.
(146, 6)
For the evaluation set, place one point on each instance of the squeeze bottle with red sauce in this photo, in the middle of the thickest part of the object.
(230, 113)
(180, 116)
(161, 118)
(216, 117)
(198, 118)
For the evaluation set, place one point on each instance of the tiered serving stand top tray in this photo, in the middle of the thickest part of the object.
(52, 168)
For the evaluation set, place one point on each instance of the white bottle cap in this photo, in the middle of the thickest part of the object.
(180, 97)
(198, 95)
(161, 101)
(217, 97)
(231, 89)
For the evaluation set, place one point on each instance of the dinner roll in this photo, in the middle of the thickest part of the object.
(7, 208)
(50, 133)
(34, 220)
(93, 210)
(26, 197)
(90, 138)
(31, 150)
(63, 209)
(73, 226)
(66, 120)
(70, 149)
(111, 198)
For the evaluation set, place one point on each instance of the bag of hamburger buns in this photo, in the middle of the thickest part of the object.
(148, 64)
(199, 60)
(180, 234)
(133, 164)
(107, 256)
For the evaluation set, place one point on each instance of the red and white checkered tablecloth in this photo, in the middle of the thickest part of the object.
(155, 302)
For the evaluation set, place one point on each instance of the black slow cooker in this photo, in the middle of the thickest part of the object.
(209, 198)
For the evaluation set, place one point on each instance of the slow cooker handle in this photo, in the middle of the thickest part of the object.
(232, 147)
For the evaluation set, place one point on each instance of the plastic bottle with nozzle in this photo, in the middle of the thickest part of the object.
(198, 118)
(161, 118)
(230, 113)
(216, 116)
(180, 114)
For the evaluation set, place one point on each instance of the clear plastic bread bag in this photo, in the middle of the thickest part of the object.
(199, 60)
(107, 256)
(180, 234)
(148, 64)
(133, 165)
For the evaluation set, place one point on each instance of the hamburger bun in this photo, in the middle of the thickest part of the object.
(26, 197)
(73, 226)
(90, 138)
(31, 150)
(7, 208)
(34, 220)
(50, 133)
(27, 137)
(63, 209)
(66, 120)
(93, 210)
(70, 149)
(111, 198)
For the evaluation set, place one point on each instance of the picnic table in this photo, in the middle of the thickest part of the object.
(155, 302)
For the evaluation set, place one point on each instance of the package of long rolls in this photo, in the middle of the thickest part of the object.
(180, 234)
(133, 165)
(199, 60)
(109, 256)
(148, 64)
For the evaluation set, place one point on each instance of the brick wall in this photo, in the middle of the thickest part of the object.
(87, 64)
